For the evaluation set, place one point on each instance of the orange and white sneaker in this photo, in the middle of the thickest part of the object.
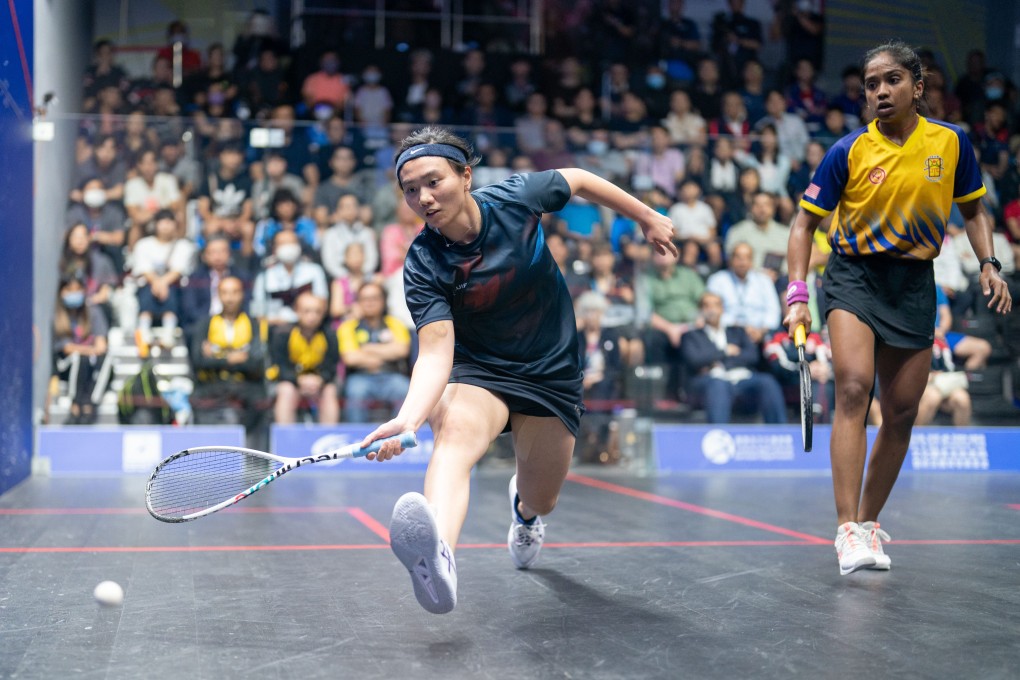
(875, 534)
(852, 549)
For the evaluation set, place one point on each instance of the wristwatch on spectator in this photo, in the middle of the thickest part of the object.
(992, 261)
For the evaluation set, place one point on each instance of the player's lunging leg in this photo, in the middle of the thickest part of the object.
(424, 529)
(544, 448)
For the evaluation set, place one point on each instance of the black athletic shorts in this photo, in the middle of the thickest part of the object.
(563, 399)
(894, 296)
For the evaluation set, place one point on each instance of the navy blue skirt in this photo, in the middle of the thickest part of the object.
(563, 399)
(895, 297)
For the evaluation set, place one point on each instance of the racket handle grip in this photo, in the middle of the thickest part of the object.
(408, 440)
(799, 335)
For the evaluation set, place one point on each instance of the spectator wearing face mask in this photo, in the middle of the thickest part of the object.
(286, 276)
(373, 104)
(103, 219)
(599, 157)
(177, 34)
(327, 85)
(655, 91)
(79, 350)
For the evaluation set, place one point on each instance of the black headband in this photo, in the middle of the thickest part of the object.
(449, 151)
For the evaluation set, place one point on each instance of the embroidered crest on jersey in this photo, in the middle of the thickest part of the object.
(876, 176)
(933, 168)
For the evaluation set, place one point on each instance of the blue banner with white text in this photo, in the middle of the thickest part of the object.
(680, 448)
(124, 449)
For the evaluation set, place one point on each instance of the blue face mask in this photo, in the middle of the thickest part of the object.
(74, 299)
(993, 93)
(656, 81)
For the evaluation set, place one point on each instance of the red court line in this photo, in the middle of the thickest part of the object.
(1014, 506)
(474, 546)
(709, 512)
(374, 526)
(254, 510)
(187, 548)
(21, 53)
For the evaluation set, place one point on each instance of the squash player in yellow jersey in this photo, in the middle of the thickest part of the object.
(890, 186)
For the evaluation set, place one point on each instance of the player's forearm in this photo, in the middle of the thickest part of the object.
(431, 373)
(798, 250)
(979, 232)
(429, 379)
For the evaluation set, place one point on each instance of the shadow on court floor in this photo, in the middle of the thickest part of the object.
(699, 576)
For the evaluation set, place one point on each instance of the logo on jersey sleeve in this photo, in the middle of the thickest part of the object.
(933, 166)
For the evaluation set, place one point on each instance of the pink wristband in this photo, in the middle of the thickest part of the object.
(796, 292)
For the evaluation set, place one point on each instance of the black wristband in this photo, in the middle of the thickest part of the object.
(992, 261)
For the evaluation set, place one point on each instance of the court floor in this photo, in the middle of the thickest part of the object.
(723, 575)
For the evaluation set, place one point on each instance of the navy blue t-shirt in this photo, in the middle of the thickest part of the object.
(511, 311)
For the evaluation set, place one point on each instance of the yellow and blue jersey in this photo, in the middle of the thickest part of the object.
(890, 199)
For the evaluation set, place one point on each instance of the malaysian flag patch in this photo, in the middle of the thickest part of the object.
(812, 191)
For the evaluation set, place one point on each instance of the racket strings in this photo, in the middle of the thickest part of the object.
(201, 479)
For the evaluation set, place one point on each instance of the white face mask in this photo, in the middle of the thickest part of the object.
(94, 198)
(288, 253)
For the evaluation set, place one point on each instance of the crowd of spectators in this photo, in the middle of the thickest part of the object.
(280, 264)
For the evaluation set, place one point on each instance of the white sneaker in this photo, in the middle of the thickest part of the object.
(852, 549)
(414, 539)
(875, 535)
(524, 540)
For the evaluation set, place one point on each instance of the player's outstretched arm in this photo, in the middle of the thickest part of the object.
(658, 228)
(428, 380)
